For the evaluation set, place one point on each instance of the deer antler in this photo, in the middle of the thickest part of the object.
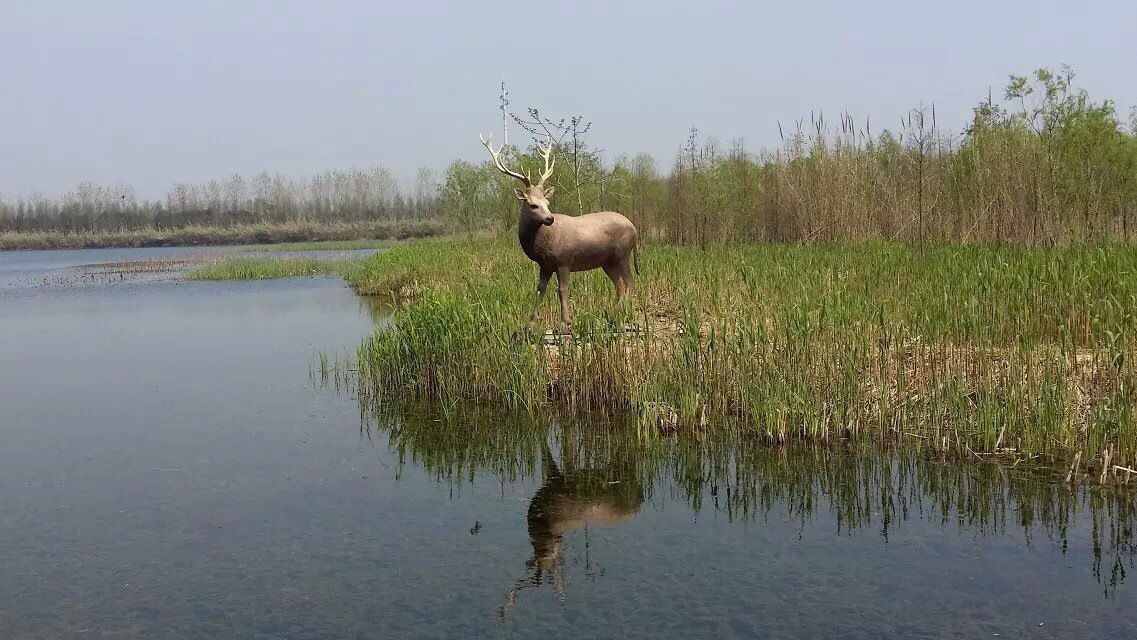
(500, 164)
(550, 161)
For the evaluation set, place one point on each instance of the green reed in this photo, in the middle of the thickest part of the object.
(255, 268)
(972, 350)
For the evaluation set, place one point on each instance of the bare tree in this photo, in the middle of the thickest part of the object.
(588, 178)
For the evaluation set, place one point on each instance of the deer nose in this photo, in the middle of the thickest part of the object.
(548, 220)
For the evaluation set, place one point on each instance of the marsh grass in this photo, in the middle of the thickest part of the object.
(256, 268)
(972, 351)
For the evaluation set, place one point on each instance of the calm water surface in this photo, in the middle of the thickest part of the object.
(168, 468)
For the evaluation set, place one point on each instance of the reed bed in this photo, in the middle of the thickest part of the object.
(255, 268)
(973, 351)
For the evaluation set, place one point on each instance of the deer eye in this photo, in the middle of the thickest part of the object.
(532, 206)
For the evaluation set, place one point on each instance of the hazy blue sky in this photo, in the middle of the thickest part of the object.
(151, 92)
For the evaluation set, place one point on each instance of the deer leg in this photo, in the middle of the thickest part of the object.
(563, 290)
(615, 274)
(626, 275)
(542, 284)
(627, 288)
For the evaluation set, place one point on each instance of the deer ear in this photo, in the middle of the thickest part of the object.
(520, 194)
(549, 192)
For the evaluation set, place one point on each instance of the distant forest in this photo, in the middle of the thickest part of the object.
(331, 197)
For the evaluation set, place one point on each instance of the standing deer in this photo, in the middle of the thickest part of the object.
(562, 244)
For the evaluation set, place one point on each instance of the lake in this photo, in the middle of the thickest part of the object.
(171, 465)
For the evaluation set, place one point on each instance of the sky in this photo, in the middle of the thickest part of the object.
(154, 92)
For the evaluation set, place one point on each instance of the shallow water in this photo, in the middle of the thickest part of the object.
(168, 468)
(54, 269)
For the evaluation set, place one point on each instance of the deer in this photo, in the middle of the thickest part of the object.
(562, 244)
(567, 500)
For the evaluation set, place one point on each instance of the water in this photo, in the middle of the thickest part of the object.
(168, 468)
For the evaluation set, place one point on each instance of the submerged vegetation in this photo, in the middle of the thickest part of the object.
(972, 351)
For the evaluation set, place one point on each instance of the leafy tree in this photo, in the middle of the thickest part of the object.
(468, 194)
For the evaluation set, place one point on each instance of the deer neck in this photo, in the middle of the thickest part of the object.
(530, 233)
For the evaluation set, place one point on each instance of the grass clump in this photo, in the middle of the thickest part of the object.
(972, 350)
(254, 268)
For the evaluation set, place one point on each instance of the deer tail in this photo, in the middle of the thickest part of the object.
(636, 256)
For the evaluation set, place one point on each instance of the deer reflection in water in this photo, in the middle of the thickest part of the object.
(567, 500)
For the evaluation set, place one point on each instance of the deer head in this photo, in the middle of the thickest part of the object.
(534, 197)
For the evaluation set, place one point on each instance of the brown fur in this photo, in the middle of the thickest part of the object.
(562, 244)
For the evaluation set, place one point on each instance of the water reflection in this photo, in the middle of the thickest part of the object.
(378, 308)
(571, 498)
(603, 472)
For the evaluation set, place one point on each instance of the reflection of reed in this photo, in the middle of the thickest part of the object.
(859, 486)
(377, 307)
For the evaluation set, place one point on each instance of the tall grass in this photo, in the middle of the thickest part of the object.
(1074, 179)
(1046, 165)
(254, 268)
(976, 351)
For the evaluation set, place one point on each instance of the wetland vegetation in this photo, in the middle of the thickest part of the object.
(1045, 165)
(845, 375)
(257, 268)
(970, 351)
(973, 296)
(246, 500)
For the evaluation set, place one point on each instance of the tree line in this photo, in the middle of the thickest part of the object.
(335, 196)
(1044, 164)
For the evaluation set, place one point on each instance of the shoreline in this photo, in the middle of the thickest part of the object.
(252, 234)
